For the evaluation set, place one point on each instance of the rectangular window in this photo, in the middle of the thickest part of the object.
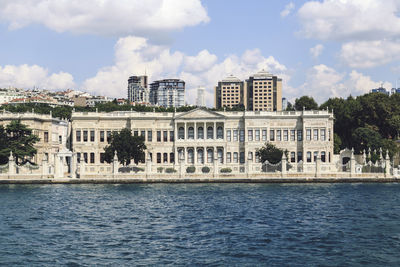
(272, 135)
(46, 137)
(292, 135)
(158, 157)
(257, 157)
(85, 136)
(165, 136)
(228, 157)
(285, 135)
(308, 134)
(108, 136)
(78, 136)
(323, 134)
(264, 135)
(92, 158)
(299, 156)
(323, 157)
(278, 135)
(143, 133)
(241, 157)
(171, 157)
(171, 136)
(292, 157)
(149, 136)
(135, 133)
(250, 156)
(228, 135)
(241, 137)
(101, 136)
(85, 157)
(78, 157)
(158, 136)
(315, 134)
(315, 155)
(257, 135)
(60, 139)
(329, 134)
(235, 135)
(299, 135)
(165, 157)
(308, 156)
(91, 136)
(235, 157)
(250, 135)
(102, 157)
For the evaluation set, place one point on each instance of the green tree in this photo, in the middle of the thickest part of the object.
(306, 102)
(271, 153)
(128, 147)
(365, 138)
(20, 141)
(337, 143)
(4, 149)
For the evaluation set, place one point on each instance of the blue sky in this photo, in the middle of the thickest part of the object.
(320, 48)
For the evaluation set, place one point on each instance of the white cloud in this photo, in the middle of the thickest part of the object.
(316, 50)
(105, 17)
(134, 55)
(288, 8)
(25, 76)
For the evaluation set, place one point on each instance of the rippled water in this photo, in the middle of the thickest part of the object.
(197, 224)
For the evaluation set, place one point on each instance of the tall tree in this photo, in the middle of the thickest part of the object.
(4, 149)
(128, 147)
(306, 102)
(21, 141)
(271, 153)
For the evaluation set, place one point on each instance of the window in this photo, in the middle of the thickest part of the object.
(228, 157)
(92, 136)
(308, 134)
(210, 133)
(292, 135)
(149, 136)
(299, 156)
(250, 156)
(299, 135)
(165, 157)
(46, 136)
(92, 158)
(200, 133)
(135, 133)
(78, 157)
(308, 156)
(220, 155)
(228, 135)
(78, 136)
(272, 135)
(329, 135)
(158, 157)
(143, 133)
(171, 157)
(257, 157)
(235, 135)
(278, 135)
(241, 135)
(220, 133)
(242, 157)
(60, 139)
(85, 136)
(285, 135)
(315, 155)
(257, 135)
(292, 157)
(323, 157)
(108, 136)
(235, 157)
(315, 134)
(264, 135)
(210, 156)
(190, 133)
(158, 136)
(250, 135)
(323, 135)
(200, 156)
(101, 136)
(190, 156)
(171, 136)
(181, 133)
(102, 157)
(165, 136)
(85, 157)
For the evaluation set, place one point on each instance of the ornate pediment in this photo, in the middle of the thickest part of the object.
(200, 113)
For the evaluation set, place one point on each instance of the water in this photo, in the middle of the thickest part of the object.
(198, 224)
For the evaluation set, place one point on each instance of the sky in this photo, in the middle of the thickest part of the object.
(323, 49)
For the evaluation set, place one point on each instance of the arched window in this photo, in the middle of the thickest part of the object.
(200, 133)
(191, 133)
(190, 156)
(200, 156)
(220, 155)
(220, 133)
(181, 133)
(210, 156)
(181, 155)
(210, 133)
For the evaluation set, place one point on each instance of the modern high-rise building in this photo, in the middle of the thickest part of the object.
(138, 91)
(284, 103)
(168, 93)
(264, 92)
(200, 101)
(229, 93)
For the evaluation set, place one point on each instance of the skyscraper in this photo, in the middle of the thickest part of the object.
(200, 102)
(229, 93)
(168, 93)
(138, 91)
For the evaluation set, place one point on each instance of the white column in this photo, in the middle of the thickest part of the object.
(11, 165)
(73, 165)
(352, 163)
(283, 162)
(387, 164)
(318, 166)
(195, 131)
(186, 132)
(215, 131)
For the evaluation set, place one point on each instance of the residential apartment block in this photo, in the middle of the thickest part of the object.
(138, 91)
(229, 93)
(168, 93)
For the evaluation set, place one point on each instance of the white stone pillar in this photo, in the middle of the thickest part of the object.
(318, 166)
(148, 164)
(73, 165)
(115, 164)
(352, 163)
(181, 160)
(216, 167)
(215, 131)
(387, 164)
(284, 163)
(82, 168)
(45, 168)
(11, 165)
